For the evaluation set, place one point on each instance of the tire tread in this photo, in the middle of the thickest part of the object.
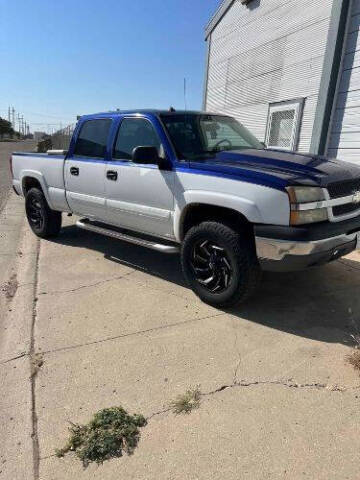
(244, 253)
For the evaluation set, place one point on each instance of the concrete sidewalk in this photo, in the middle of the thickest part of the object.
(116, 326)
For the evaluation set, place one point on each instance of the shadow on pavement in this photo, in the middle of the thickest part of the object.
(314, 303)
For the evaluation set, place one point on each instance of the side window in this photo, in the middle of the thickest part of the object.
(134, 132)
(92, 138)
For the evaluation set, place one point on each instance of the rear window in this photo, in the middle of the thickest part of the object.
(92, 138)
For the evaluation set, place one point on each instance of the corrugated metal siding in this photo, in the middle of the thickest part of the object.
(344, 140)
(267, 52)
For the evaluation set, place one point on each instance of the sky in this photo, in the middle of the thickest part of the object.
(60, 59)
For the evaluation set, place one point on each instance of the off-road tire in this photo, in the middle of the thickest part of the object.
(240, 252)
(49, 223)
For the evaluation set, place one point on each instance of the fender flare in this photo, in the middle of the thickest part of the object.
(40, 178)
(241, 205)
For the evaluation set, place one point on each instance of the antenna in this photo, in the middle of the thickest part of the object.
(185, 93)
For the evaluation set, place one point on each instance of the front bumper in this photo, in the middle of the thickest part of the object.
(284, 255)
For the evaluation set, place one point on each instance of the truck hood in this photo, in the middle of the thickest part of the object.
(277, 169)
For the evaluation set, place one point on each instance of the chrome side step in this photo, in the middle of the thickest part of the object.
(85, 224)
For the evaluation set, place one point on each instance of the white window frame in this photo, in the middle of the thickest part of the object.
(297, 105)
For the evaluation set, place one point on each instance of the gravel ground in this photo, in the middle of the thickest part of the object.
(6, 148)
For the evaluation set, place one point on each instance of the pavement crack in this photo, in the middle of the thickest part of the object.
(34, 418)
(131, 334)
(288, 384)
(252, 383)
(71, 290)
(21, 355)
(236, 347)
(159, 412)
(47, 456)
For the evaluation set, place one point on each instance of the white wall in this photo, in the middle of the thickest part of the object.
(265, 52)
(344, 139)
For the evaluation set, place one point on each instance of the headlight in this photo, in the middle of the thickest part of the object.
(305, 194)
(306, 205)
(300, 217)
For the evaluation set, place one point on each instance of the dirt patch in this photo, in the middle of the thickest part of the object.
(10, 287)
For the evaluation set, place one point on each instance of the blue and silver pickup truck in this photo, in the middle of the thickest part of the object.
(200, 184)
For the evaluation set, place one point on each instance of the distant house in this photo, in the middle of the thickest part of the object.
(290, 71)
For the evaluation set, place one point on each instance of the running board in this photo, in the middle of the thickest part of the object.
(85, 224)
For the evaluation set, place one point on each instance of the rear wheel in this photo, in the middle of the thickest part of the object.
(220, 264)
(43, 221)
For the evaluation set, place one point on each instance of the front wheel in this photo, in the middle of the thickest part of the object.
(220, 264)
(43, 221)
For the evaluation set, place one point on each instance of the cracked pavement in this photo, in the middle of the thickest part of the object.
(114, 324)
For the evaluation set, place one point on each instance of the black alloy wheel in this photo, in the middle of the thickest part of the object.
(43, 221)
(219, 263)
(211, 266)
(35, 213)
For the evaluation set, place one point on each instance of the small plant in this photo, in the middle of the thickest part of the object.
(186, 402)
(37, 361)
(110, 432)
(10, 287)
(354, 359)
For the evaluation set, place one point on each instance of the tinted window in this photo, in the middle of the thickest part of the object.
(134, 132)
(92, 138)
(203, 136)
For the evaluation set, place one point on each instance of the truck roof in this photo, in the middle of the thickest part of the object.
(149, 112)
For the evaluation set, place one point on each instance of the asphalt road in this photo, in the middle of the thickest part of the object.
(6, 148)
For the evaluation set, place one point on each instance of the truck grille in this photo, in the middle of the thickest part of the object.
(343, 189)
(345, 209)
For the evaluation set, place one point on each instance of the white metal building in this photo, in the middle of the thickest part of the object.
(290, 71)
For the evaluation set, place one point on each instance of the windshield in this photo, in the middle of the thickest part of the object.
(196, 137)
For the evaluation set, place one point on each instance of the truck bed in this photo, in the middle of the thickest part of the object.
(47, 169)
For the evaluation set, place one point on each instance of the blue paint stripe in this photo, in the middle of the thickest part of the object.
(34, 154)
(114, 162)
(277, 184)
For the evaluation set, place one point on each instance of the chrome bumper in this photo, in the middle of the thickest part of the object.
(278, 250)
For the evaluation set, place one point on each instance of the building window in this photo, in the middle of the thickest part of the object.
(283, 124)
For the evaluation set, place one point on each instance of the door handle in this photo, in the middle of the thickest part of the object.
(111, 175)
(74, 171)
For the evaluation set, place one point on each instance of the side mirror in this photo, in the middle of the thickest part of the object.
(145, 155)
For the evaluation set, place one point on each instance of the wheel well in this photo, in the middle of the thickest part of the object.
(198, 213)
(30, 182)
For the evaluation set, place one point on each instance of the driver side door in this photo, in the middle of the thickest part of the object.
(139, 197)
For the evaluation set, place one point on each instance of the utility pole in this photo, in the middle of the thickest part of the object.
(185, 94)
(13, 118)
(21, 124)
(9, 115)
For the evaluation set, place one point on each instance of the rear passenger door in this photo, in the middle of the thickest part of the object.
(85, 167)
(139, 197)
